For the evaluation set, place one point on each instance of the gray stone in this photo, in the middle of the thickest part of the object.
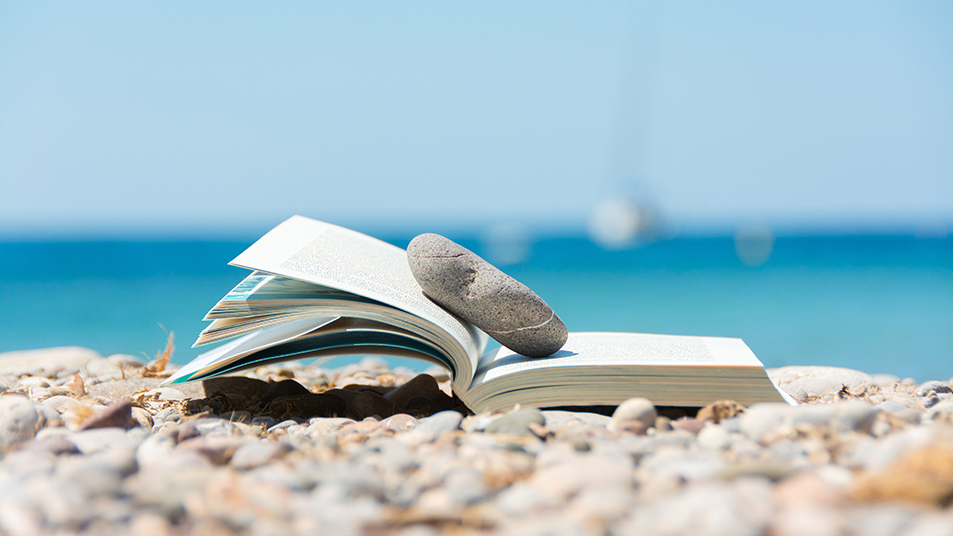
(438, 423)
(475, 290)
(933, 386)
(517, 422)
(19, 421)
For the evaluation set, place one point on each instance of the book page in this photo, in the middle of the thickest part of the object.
(252, 342)
(608, 368)
(623, 349)
(332, 256)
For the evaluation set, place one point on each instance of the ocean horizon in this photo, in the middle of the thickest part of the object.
(881, 303)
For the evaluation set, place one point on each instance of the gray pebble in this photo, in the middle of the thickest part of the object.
(476, 291)
(933, 386)
(517, 422)
(438, 423)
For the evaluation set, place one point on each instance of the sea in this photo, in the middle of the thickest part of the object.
(877, 303)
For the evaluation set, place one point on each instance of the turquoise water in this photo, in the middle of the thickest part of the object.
(875, 303)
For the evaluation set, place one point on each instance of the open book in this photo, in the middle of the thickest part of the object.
(319, 290)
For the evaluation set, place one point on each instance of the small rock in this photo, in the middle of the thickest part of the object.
(815, 382)
(933, 386)
(717, 411)
(327, 404)
(400, 422)
(422, 385)
(368, 404)
(560, 419)
(282, 389)
(476, 291)
(438, 423)
(855, 415)
(250, 388)
(19, 421)
(688, 424)
(56, 444)
(516, 422)
(141, 418)
(253, 454)
(118, 414)
(634, 415)
(714, 437)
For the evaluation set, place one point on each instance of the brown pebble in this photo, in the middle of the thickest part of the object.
(118, 414)
(250, 388)
(717, 411)
(369, 403)
(421, 385)
(76, 386)
(359, 388)
(282, 389)
(420, 406)
(307, 405)
(442, 401)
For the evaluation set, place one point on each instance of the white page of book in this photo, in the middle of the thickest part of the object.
(325, 254)
(250, 343)
(622, 349)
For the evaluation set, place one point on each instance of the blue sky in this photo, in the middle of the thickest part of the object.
(126, 118)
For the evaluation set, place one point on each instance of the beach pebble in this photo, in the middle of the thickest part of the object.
(864, 461)
(253, 454)
(476, 291)
(422, 385)
(935, 387)
(118, 414)
(855, 415)
(634, 415)
(815, 382)
(516, 422)
(19, 421)
(438, 423)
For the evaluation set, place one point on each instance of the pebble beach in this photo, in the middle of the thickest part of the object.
(92, 444)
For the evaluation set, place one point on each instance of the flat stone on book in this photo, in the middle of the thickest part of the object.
(476, 291)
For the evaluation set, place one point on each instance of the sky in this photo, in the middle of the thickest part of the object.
(214, 118)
